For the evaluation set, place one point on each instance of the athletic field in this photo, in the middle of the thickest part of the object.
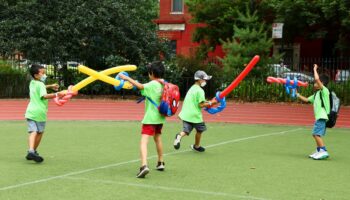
(99, 160)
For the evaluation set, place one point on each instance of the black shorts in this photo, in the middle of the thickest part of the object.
(188, 127)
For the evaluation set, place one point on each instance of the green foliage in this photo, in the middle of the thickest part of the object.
(327, 19)
(13, 82)
(250, 39)
(218, 15)
(88, 31)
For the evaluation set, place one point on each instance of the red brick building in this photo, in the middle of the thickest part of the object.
(174, 23)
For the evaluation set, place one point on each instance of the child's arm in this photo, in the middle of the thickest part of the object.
(317, 77)
(132, 81)
(53, 86)
(301, 97)
(54, 95)
(205, 104)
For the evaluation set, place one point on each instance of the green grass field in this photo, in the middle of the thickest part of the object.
(99, 160)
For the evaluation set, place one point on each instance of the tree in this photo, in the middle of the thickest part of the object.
(325, 19)
(92, 31)
(250, 39)
(218, 17)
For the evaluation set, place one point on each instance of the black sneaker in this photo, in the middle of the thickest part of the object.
(199, 149)
(160, 166)
(143, 172)
(35, 157)
(177, 141)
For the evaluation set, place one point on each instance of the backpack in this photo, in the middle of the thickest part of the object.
(334, 109)
(169, 100)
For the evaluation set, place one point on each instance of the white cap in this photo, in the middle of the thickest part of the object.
(201, 75)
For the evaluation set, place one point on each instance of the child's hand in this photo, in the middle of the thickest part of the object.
(213, 101)
(315, 67)
(122, 76)
(61, 94)
(55, 87)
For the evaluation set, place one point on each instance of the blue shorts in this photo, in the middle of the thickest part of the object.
(319, 128)
(34, 126)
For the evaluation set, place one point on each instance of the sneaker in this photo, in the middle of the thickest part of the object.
(321, 155)
(199, 149)
(35, 157)
(313, 154)
(160, 166)
(177, 141)
(143, 172)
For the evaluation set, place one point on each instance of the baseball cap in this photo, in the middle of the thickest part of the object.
(201, 75)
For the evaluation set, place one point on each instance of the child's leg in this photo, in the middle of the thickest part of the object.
(182, 134)
(319, 141)
(319, 131)
(143, 149)
(187, 128)
(32, 141)
(37, 140)
(197, 140)
(159, 146)
(200, 128)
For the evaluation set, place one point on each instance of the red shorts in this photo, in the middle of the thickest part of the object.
(151, 129)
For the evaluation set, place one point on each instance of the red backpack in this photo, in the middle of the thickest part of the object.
(170, 98)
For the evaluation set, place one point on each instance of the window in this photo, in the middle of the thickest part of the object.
(172, 47)
(177, 6)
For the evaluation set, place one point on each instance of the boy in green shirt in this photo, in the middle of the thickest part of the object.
(191, 113)
(321, 113)
(153, 121)
(36, 113)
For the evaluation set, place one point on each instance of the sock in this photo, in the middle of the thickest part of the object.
(31, 151)
(324, 148)
(318, 149)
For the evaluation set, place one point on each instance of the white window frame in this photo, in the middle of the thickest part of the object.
(177, 12)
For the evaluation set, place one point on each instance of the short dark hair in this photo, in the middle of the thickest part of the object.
(156, 68)
(34, 69)
(324, 79)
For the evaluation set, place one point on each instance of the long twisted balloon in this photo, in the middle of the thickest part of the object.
(61, 101)
(271, 79)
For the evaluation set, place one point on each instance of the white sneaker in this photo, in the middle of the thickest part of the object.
(177, 141)
(313, 154)
(321, 155)
(160, 166)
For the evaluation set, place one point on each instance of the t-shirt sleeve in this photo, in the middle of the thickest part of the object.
(146, 89)
(311, 98)
(325, 92)
(200, 96)
(42, 90)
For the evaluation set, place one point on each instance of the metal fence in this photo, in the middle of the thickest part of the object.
(336, 68)
(250, 89)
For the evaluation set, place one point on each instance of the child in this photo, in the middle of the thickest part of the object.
(36, 113)
(320, 111)
(153, 121)
(191, 114)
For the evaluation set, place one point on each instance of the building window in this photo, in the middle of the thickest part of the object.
(172, 48)
(177, 6)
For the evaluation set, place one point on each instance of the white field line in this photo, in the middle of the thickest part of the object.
(137, 160)
(171, 189)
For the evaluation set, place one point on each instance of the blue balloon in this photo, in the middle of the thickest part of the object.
(292, 87)
(220, 108)
(120, 86)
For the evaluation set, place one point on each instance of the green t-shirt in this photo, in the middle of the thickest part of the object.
(191, 111)
(319, 111)
(152, 90)
(38, 106)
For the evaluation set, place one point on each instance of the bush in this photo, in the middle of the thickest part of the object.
(13, 82)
